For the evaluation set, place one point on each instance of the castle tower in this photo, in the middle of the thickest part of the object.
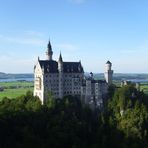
(60, 63)
(108, 72)
(60, 69)
(49, 52)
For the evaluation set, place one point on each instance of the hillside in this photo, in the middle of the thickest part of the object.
(14, 76)
(116, 76)
(123, 76)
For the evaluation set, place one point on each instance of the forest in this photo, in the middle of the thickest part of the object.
(121, 123)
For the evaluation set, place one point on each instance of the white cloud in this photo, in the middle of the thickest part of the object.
(70, 52)
(15, 57)
(28, 38)
(11, 64)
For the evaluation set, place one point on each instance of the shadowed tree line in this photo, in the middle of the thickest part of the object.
(123, 123)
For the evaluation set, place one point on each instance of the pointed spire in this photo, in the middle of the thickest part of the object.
(80, 63)
(60, 58)
(108, 62)
(49, 46)
(60, 63)
(49, 52)
(38, 58)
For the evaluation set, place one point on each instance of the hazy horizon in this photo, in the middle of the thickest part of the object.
(86, 73)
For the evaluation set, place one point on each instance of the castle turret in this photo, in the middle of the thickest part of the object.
(60, 69)
(60, 63)
(49, 52)
(108, 72)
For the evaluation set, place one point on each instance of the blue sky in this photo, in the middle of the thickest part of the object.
(92, 31)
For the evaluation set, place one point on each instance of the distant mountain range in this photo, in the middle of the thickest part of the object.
(14, 76)
(122, 76)
(116, 76)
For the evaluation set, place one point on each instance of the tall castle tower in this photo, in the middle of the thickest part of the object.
(60, 69)
(108, 72)
(49, 52)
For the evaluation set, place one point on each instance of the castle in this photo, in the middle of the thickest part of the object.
(67, 78)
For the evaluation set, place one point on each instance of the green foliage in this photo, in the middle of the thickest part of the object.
(50, 100)
(66, 122)
(144, 87)
(130, 113)
(111, 90)
(23, 103)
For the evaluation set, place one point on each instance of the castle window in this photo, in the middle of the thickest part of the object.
(38, 83)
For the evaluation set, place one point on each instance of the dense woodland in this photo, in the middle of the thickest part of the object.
(122, 123)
